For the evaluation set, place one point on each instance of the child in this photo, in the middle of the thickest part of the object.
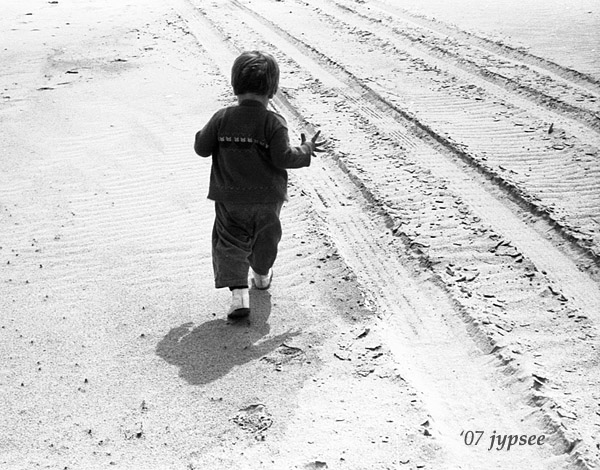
(250, 153)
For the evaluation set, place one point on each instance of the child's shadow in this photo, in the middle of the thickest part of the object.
(210, 350)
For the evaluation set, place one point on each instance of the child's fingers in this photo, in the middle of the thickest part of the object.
(302, 138)
(314, 141)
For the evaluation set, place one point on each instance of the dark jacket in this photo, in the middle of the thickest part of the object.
(250, 151)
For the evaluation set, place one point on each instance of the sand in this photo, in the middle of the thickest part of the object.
(438, 273)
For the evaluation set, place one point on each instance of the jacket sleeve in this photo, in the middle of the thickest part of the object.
(284, 156)
(206, 139)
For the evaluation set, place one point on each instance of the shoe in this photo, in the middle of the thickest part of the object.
(263, 282)
(240, 304)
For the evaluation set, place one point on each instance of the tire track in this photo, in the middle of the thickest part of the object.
(466, 132)
(545, 83)
(486, 206)
(435, 352)
(373, 278)
(491, 45)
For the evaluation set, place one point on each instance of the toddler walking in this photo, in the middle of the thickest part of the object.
(250, 151)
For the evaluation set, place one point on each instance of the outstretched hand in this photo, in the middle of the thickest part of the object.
(316, 146)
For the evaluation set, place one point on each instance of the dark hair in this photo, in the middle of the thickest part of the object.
(255, 72)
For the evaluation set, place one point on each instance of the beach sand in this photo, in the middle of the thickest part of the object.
(408, 306)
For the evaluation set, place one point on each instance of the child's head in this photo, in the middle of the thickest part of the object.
(255, 72)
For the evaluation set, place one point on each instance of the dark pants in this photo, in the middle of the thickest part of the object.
(244, 236)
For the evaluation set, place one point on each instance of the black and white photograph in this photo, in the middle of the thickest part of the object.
(299, 235)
